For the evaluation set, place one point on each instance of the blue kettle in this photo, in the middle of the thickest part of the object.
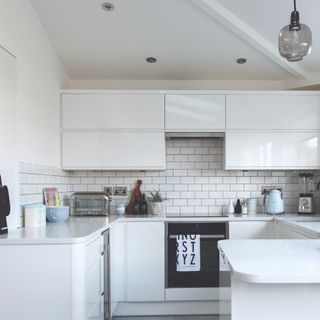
(274, 202)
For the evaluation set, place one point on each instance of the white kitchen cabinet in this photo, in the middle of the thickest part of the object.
(117, 264)
(52, 281)
(112, 111)
(251, 230)
(35, 282)
(273, 111)
(195, 112)
(272, 150)
(145, 261)
(113, 150)
(284, 231)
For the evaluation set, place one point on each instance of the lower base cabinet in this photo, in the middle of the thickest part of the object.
(52, 281)
(251, 230)
(145, 261)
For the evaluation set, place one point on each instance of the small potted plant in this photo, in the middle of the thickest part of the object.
(156, 200)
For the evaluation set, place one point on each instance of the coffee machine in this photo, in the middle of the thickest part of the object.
(306, 186)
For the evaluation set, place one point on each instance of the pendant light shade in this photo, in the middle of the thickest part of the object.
(295, 39)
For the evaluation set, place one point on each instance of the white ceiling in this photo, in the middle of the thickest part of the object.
(192, 39)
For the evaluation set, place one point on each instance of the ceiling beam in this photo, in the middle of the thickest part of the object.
(248, 34)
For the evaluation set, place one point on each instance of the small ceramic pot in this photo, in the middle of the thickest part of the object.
(157, 207)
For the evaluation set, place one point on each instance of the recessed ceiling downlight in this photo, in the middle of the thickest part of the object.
(241, 60)
(151, 60)
(107, 6)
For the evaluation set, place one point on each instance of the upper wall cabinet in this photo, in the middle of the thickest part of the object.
(113, 131)
(108, 111)
(195, 112)
(273, 111)
(272, 150)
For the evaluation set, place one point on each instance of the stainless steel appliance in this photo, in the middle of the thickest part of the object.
(306, 186)
(90, 204)
(208, 273)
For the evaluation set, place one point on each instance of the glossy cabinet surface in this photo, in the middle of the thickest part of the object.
(145, 261)
(195, 112)
(94, 280)
(112, 111)
(114, 150)
(272, 150)
(251, 230)
(272, 111)
(35, 282)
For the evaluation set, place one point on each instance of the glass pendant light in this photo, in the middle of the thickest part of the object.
(295, 40)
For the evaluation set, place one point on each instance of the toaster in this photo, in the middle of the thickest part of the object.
(90, 204)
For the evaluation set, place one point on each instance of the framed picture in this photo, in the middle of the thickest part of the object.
(51, 197)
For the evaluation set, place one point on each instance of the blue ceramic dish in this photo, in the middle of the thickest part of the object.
(57, 214)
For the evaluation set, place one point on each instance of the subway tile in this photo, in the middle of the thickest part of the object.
(194, 187)
(194, 202)
(229, 180)
(187, 180)
(187, 165)
(201, 180)
(180, 202)
(215, 194)
(208, 187)
(201, 194)
(181, 158)
(180, 173)
(173, 180)
(173, 150)
(243, 179)
(188, 150)
(180, 187)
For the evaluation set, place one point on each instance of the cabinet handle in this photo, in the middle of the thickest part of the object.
(102, 253)
(102, 293)
(212, 236)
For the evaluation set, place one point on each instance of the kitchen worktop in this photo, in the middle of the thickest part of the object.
(74, 230)
(81, 229)
(273, 261)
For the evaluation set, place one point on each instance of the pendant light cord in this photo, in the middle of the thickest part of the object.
(294, 5)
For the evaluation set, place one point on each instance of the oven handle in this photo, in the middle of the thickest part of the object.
(207, 236)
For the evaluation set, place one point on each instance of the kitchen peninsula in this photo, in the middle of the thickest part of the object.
(275, 279)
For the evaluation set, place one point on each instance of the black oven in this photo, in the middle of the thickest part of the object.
(208, 273)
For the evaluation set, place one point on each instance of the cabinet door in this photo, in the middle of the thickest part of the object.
(35, 282)
(114, 150)
(251, 230)
(113, 111)
(117, 264)
(195, 112)
(272, 150)
(273, 111)
(145, 261)
(94, 280)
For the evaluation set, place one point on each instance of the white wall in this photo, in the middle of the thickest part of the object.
(39, 77)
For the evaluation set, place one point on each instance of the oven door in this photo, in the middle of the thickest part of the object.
(208, 275)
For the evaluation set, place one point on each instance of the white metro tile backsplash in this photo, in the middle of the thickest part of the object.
(33, 178)
(194, 182)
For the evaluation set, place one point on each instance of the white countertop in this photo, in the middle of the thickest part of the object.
(273, 261)
(74, 230)
(81, 229)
